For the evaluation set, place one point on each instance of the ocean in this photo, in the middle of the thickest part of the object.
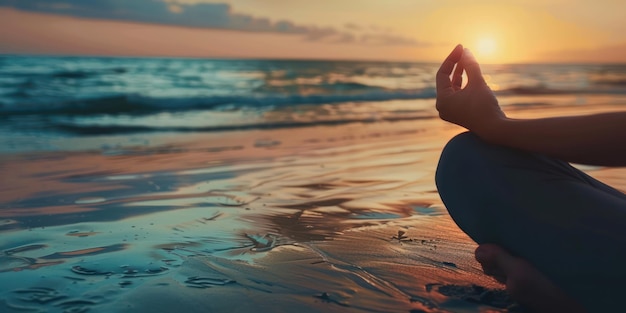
(119, 102)
(192, 185)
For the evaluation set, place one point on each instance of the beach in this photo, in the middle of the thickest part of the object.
(309, 207)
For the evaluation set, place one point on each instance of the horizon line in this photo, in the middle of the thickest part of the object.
(234, 58)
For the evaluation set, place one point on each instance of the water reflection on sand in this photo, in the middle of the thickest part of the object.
(322, 219)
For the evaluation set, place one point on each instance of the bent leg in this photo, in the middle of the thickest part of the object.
(571, 227)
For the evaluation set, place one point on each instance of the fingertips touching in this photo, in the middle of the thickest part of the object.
(443, 75)
(469, 63)
(456, 53)
(454, 57)
(468, 56)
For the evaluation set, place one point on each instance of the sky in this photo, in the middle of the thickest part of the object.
(513, 31)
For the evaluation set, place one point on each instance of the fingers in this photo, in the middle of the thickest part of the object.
(443, 75)
(474, 74)
(457, 77)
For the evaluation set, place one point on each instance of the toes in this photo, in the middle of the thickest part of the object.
(492, 256)
(496, 273)
(486, 253)
(487, 262)
(525, 283)
(496, 262)
(487, 256)
(517, 274)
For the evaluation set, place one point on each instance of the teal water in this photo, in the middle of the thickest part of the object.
(44, 100)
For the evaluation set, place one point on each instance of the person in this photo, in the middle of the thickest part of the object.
(555, 236)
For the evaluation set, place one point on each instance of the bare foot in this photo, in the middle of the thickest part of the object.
(524, 283)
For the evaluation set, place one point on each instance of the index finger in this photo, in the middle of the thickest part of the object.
(472, 69)
(443, 75)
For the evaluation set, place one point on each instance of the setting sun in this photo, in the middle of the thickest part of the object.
(486, 47)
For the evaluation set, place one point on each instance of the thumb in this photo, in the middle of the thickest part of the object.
(474, 74)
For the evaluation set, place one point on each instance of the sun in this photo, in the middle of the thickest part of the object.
(486, 47)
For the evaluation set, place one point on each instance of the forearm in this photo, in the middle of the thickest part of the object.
(593, 139)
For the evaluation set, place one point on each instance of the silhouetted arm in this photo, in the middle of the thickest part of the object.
(598, 139)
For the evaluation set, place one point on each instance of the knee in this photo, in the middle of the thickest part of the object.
(457, 158)
(459, 173)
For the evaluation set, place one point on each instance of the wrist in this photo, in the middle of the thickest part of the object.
(494, 130)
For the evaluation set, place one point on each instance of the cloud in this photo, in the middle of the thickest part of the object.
(352, 26)
(388, 40)
(201, 15)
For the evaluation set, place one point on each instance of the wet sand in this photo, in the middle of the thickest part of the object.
(327, 218)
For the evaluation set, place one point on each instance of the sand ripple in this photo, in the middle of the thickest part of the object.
(323, 219)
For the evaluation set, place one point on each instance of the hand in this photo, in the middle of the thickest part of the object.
(474, 107)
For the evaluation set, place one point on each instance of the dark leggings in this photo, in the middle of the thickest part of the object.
(568, 225)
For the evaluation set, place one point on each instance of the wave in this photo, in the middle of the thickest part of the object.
(141, 105)
(611, 82)
(72, 74)
(78, 74)
(341, 87)
(541, 90)
(135, 104)
(526, 90)
(108, 129)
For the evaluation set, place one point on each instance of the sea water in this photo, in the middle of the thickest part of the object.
(107, 102)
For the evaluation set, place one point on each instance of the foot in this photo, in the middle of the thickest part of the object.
(524, 283)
